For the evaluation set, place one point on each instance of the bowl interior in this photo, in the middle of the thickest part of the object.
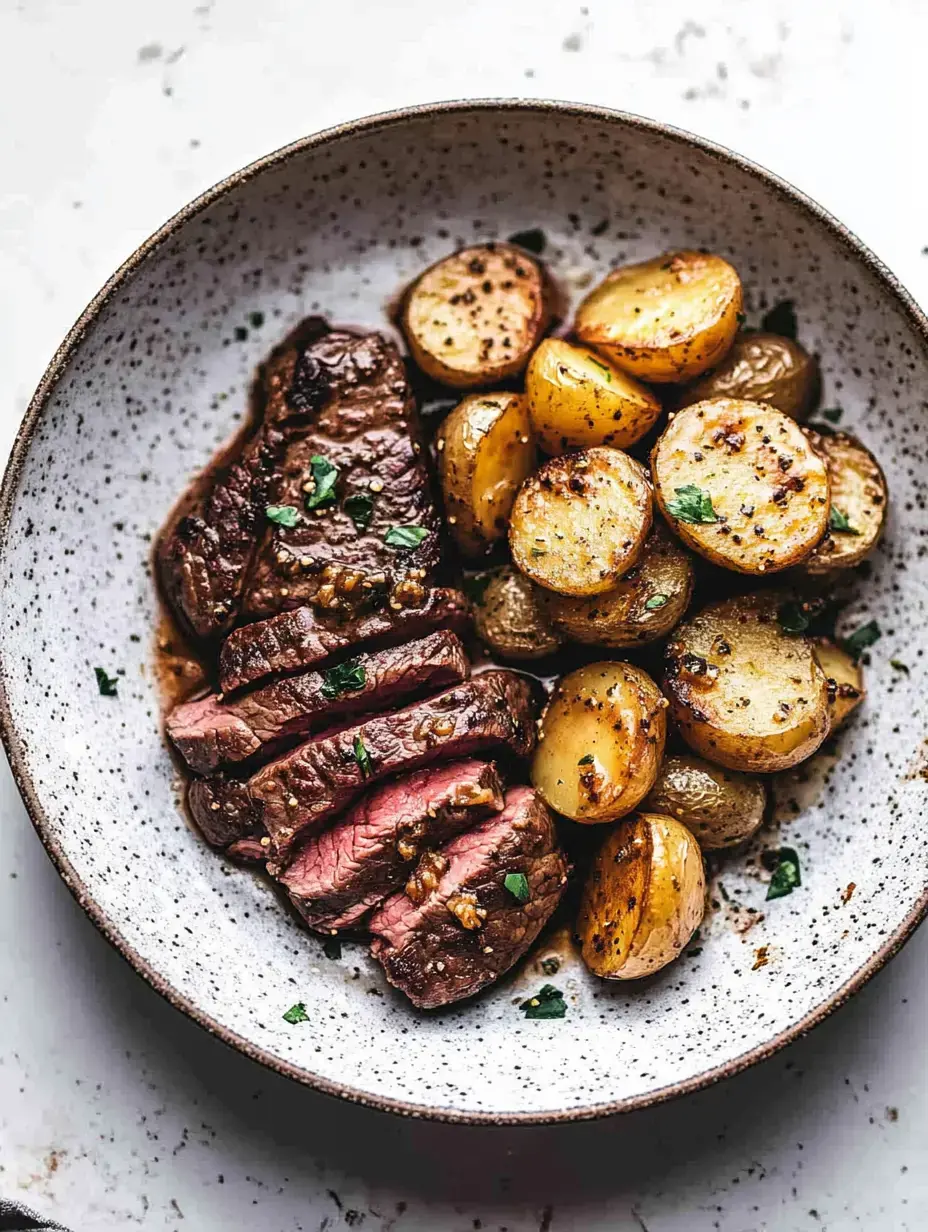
(159, 378)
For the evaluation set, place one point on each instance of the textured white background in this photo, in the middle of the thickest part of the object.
(115, 1111)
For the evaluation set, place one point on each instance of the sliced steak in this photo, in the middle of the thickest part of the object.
(458, 928)
(211, 732)
(299, 639)
(337, 876)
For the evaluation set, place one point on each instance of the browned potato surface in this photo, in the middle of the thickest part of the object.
(845, 680)
(601, 740)
(859, 499)
(761, 368)
(643, 899)
(485, 451)
(741, 484)
(581, 521)
(474, 318)
(578, 398)
(665, 320)
(721, 807)
(744, 693)
(509, 619)
(645, 604)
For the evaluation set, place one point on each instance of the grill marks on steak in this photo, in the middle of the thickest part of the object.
(211, 732)
(469, 929)
(337, 876)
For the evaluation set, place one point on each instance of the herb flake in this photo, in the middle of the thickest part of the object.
(792, 618)
(324, 477)
(784, 863)
(899, 666)
(781, 319)
(837, 521)
(692, 504)
(360, 508)
(603, 367)
(296, 1013)
(332, 948)
(106, 684)
(548, 1002)
(832, 413)
(533, 239)
(363, 758)
(858, 641)
(283, 515)
(655, 601)
(517, 885)
(586, 760)
(256, 319)
(407, 537)
(344, 677)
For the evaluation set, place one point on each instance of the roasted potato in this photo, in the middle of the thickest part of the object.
(741, 484)
(485, 451)
(744, 693)
(474, 318)
(643, 899)
(581, 521)
(720, 807)
(665, 320)
(577, 398)
(509, 619)
(761, 368)
(859, 498)
(845, 680)
(646, 602)
(600, 742)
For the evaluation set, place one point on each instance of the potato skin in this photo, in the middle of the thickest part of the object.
(601, 740)
(643, 899)
(577, 398)
(745, 694)
(845, 680)
(761, 368)
(621, 617)
(768, 487)
(474, 318)
(509, 619)
(665, 320)
(720, 807)
(581, 521)
(485, 451)
(858, 491)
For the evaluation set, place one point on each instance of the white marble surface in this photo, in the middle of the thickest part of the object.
(114, 1110)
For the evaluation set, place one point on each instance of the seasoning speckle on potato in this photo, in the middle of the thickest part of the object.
(859, 500)
(721, 807)
(509, 618)
(761, 368)
(741, 484)
(845, 680)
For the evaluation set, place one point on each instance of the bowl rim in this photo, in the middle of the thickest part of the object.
(13, 745)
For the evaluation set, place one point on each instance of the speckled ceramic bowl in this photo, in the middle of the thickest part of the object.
(153, 377)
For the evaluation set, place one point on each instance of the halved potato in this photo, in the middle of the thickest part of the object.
(581, 521)
(485, 450)
(761, 368)
(721, 807)
(845, 680)
(509, 619)
(643, 899)
(577, 398)
(645, 604)
(859, 498)
(741, 484)
(665, 320)
(745, 693)
(475, 317)
(600, 742)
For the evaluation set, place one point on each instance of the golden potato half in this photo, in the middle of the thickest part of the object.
(577, 398)
(744, 693)
(475, 317)
(509, 619)
(845, 680)
(665, 320)
(761, 368)
(720, 807)
(485, 451)
(646, 603)
(643, 899)
(581, 521)
(601, 740)
(859, 499)
(741, 484)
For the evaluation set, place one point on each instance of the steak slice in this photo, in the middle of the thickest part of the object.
(442, 942)
(306, 787)
(211, 732)
(299, 639)
(337, 876)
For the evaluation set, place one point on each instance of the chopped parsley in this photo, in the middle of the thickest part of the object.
(899, 666)
(832, 413)
(343, 678)
(838, 521)
(784, 863)
(324, 477)
(781, 319)
(548, 1002)
(408, 537)
(363, 758)
(106, 684)
(539, 552)
(603, 367)
(296, 1013)
(241, 333)
(517, 885)
(655, 602)
(360, 508)
(742, 320)
(586, 760)
(858, 641)
(475, 586)
(534, 239)
(793, 618)
(332, 947)
(283, 515)
(256, 319)
(551, 965)
(692, 504)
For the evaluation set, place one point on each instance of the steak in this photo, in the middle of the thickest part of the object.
(299, 639)
(337, 876)
(210, 732)
(459, 928)
(306, 787)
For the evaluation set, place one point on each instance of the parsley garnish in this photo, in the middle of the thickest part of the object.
(858, 641)
(899, 665)
(741, 319)
(534, 239)
(655, 602)
(692, 504)
(296, 1013)
(539, 552)
(106, 684)
(548, 1002)
(256, 319)
(241, 333)
(833, 413)
(781, 319)
(603, 367)
(517, 885)
(405, 536)
(793, 618)
(838, 521)
(283, 515)
(343, 678)
(324, 476)
(332, 947)
(363, 758)
(360, 508)
(586, 760)
(551, 965)
(784, 863)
